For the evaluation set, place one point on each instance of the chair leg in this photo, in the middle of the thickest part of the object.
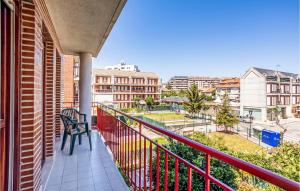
(79, 139)
(90, 139)
(65, 136)
(73, 139)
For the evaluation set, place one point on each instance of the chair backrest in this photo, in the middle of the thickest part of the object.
(73, 114)
(69, 124)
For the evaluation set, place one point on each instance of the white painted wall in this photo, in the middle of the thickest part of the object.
(253, 93)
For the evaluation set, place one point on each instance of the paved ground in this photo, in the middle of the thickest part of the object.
(85, 170)
(293, 130)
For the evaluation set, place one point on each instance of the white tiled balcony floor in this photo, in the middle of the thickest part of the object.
(85, 170)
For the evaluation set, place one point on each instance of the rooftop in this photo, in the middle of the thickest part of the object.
(267, 72)
(104, 72)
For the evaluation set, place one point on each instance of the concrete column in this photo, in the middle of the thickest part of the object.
(85, 90)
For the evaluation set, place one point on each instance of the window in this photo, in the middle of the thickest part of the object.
(268, 100)
(274, 88)
(287, 89)
(268, 88)
(273, 100)
(287, 100)
(293, 100)
(294, 89)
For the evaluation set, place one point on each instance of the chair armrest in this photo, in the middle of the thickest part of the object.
(84, 116)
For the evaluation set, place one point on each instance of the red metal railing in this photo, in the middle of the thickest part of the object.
(133, 152)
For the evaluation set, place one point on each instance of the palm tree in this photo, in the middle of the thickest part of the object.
(196, 101)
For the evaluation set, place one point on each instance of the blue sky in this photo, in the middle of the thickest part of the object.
(205, 37)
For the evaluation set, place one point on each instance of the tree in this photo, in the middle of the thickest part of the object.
(182, 93)
(136, 101)
(168, 86)
(277, 111)
(219, 169)
(149, 102)
(225, 115)
(196, 101)
(284, 160)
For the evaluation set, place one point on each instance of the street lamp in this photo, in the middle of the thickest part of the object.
(250, 117)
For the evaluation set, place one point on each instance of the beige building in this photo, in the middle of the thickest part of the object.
(119, 88)
(203, 81)
(178, 83)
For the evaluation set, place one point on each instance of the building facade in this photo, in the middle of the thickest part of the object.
(263, 89)
(203, 82)
(231, 86)
(34, 39)
(123, 66)
(178, 83)
(119, 88)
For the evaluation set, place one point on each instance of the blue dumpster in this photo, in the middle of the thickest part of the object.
(270, 137)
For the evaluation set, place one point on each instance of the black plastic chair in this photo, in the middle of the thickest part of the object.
(74, 126)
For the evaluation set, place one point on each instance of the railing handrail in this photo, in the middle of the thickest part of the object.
(255, 170)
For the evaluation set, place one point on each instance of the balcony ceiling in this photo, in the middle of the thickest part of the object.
(83, 25)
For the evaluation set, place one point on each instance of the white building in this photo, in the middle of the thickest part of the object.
(231, 86)
(123, 66)
(262, 89)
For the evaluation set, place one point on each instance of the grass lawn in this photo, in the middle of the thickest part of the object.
(170, 116)
(236, 142)
(160, 141)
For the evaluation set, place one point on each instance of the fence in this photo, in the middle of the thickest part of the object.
(145, 163)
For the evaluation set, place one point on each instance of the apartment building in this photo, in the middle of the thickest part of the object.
(178, 83)
(231, 86)
(119, 87)
(263, 89)
(123, 66)
(203, 82)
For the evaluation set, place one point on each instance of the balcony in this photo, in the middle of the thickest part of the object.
(140, 158)
(85, 170)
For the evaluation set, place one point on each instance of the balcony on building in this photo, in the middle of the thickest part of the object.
(122, 148)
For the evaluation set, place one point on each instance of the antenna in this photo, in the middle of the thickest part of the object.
(277, 67)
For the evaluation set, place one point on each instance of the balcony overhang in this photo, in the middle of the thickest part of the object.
(81, 25)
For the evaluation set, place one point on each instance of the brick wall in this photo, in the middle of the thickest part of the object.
(68, 78)
(50, 96)
(31, 97)
(58, 94)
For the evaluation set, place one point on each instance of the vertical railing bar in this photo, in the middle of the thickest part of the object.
(207, 173)
(135, 148)
(166, 171)
(126, 170)
(150, 166)
(157, 168)
(145, 164)
(176, 174)
(189, 188)
(118, 142)
(140, 156)
(131, 155)
(128, 150)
